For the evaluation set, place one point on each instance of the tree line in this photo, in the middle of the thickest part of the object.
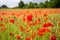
(46, 4)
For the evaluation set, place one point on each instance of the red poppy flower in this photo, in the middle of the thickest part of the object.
(46, 18)
(42, 30)
(30, 24)
(47, 30)
(3, 29)
(33, 34)
(38, 21)
(13, 14)
(38, 29)
(47, 24)
(27, 31)
(1, 19)
(18, 15)
(53, 37)
(58, 23)
(21, 28)
(6, 21)
(3, 13)
(11, 33)
(2, 25)
(27, 11)
(39, 10)
(29, 18)
(18, 36)
(40, 34)
(27, 39)
(12, 20)
(35, 22)
(45, 15)
(50, 24)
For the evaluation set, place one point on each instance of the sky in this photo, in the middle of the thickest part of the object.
(13, 3)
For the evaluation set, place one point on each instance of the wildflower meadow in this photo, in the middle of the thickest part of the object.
(30, 24)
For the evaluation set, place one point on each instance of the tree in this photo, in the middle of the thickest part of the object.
(4, 6)
(55, 3)
(15, 7)
(26, 6)
(35, 5)
(47, 4)
(21, 4)
(30, 5)
(41, 5)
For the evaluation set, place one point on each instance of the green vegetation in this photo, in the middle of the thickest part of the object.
(46, 4)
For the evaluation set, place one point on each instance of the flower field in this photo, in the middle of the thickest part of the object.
(29, 24)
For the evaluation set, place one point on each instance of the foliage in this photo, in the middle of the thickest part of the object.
(46, 4)
(3, 6)
(21, 4)
(55, 3)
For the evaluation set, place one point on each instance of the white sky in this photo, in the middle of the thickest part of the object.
(13, 3)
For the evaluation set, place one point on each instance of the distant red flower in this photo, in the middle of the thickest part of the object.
(35, 22)
(11, 33)
(30, 24)
(58, 23)
(27, 11)
(45, 15)
(42, 30)
(47, 30)
(27, 39)
(13, 14)
(18, 36)
(38, 29)
(6, 21)
(40, 11)
(18, 15)
(27, 31)
(33, 35)
(21, 28)
(50, 24)
(3, 29)
(47, 24)
(40, 34)
(46, 18)
(12, 20)
(38, 21)
(53, 37)
(24, 19)
(29, 18)
(3, 13)
(2, 25)
(1, 19)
